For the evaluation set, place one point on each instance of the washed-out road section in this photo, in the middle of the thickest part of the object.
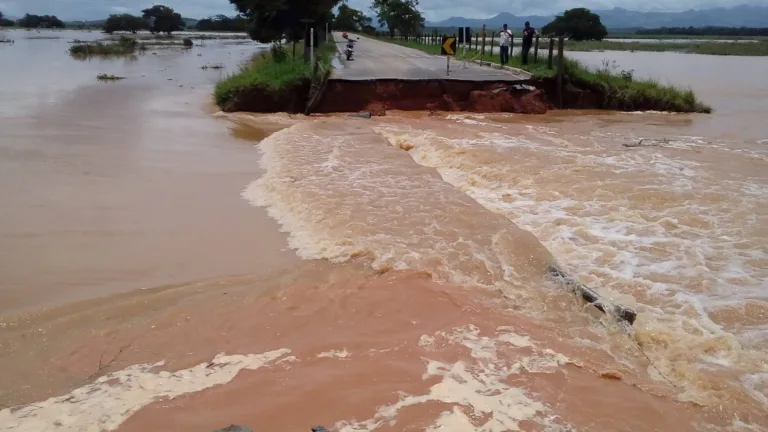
(375, 59)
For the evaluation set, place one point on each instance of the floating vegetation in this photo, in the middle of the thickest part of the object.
(108, 77)
(124, 46)
(212, 66)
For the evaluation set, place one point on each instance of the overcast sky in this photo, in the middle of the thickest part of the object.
(432, 9)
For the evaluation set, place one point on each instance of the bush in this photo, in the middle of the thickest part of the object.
(278, 53)
(264, 72)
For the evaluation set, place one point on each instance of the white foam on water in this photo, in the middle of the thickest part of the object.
(477, 388)
(649, 228)
(106, 403)
(335, 354)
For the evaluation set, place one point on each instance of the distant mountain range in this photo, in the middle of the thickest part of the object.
(618, 18)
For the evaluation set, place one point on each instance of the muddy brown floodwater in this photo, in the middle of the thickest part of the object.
(109, 187)
(382, 274)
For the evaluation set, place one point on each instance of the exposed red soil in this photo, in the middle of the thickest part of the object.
(534, 96)
(378, 96)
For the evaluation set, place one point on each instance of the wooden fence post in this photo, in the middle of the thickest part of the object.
(492, 43)
(536, 50)
(560, 69)
(551, 51)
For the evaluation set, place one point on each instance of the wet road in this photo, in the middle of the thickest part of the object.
(379, 60)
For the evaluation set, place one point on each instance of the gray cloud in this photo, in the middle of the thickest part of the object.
(432, 9)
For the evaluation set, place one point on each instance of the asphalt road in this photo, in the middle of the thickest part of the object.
(374, 59)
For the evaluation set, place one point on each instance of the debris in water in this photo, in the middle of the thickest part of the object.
(365, 115)
(108, 77)
(651, 143)
(234, 428)
(611, 375)
(592, 297)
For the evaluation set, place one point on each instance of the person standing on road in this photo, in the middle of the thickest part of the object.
(505, 40)
(528, 34)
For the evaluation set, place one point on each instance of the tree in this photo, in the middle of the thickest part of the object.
(223, 23)
(125, 22)
(5, 22)
(273, 20)
(577, 24)
(351, 19)
(44, 21)
(163, 19)
(399, 15)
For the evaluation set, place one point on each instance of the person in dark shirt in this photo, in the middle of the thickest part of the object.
(528, 34)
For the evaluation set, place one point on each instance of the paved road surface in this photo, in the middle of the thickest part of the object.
(374, 59)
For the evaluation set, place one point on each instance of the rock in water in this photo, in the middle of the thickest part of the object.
(319, 429)
(234, 428)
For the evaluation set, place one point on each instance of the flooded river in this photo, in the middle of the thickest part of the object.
(383, 274)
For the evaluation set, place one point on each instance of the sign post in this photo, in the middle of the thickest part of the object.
(448, 49)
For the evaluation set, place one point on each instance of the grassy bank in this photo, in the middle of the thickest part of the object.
(124, 46)
(621, 90)
(710, 48)
(266, 73)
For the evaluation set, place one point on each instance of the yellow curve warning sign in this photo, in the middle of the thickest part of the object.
(449, 46)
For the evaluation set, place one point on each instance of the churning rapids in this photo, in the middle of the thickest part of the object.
(421, 299)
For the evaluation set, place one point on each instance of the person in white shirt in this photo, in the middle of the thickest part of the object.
(505, 40)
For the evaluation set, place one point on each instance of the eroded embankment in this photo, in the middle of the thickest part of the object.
(534, 96)
(440, 95)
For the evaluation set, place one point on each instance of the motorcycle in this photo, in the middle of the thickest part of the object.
(350, 49)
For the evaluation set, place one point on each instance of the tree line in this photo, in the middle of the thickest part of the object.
(705, 31)
(33, 21)
(157, 19)
(223, 23)
(271, 21)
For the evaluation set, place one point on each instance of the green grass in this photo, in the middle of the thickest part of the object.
(622, 91)
(710, 48)
(124, 46)
(264, 71)
(108, 77)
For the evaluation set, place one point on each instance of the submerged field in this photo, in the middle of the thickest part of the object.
(758, 48)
